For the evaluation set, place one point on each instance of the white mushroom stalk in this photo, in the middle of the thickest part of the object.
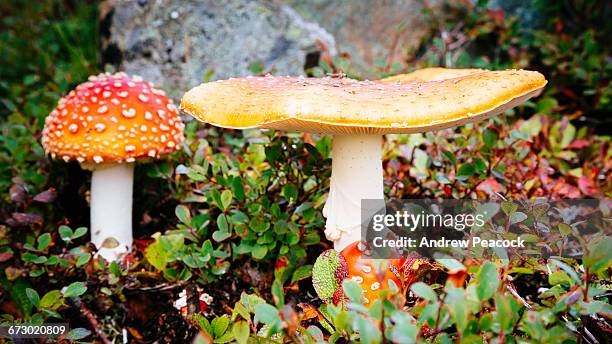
(356, 175)
(111, 209)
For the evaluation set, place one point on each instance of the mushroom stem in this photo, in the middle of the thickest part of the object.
(356, 174)
(111, 209)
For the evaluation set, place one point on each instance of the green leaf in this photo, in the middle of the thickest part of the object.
(458, 308)
(83, 259)
(488, 281)
(278, 293)
(226, 199)
(352, 290)
(504, 312)
(568, 135)
(19, 295)
(226, 338)
(545, 105)
(240, 309)
(421, 162)
(238, 188)
(241, 331)
(450, 157)
(203, 324)
(301, 273)
(79, 232)
(44, 241)
(593, 307)
(183, 214)
(266, 314)
(74, 290)
(423, 291)
(36, 273)
(480, 166)
(290, 192)
(368, 331)
(465, 171)
(65, 233)
(509, 207)
(599, 255)
(224, 231)
(316, 333)
(259, 251)
(489, 137)
(29, 257)
(517, 217)
(51, 300)
(219, 325)
(156, 255)
(404, 332)
(565, 229)
(451, 264)
(485, 322)
(33, 296)
(559, 277)
(77, 334)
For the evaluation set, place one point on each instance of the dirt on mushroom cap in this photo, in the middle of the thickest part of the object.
(345, 106)
(113, 118)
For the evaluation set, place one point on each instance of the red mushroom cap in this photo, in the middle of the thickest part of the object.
(113, 118)
(372, 274)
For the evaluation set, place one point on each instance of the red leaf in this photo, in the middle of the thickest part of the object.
(586, 186)
(4, 256)
(579, 144)
(496, 15)
(490, 186)
(18, 193)
(281, 263)
(46, 196)
(565, 189)
(22, 219)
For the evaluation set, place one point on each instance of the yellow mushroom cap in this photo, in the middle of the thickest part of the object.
(433, 74)
(345, 106)
(113, 118)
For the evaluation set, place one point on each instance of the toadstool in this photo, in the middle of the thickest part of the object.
(357, 114)
(106, 124)
(373, 275)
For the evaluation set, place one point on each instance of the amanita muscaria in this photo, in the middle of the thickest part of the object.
(357, 114)
(373, 275)
(106, 124)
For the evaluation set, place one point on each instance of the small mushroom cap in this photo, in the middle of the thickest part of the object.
(346, 106)
(113, 118)
(372, 275)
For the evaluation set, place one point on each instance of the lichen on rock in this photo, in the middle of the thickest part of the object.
(177, 44)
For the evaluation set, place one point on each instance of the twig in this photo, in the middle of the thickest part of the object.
(93, 322)
(516, 295)
(159, 287)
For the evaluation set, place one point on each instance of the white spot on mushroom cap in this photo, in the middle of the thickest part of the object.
(100, 127)
(129, 113)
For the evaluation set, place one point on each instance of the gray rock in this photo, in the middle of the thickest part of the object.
(371, 31)
(177, 44)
